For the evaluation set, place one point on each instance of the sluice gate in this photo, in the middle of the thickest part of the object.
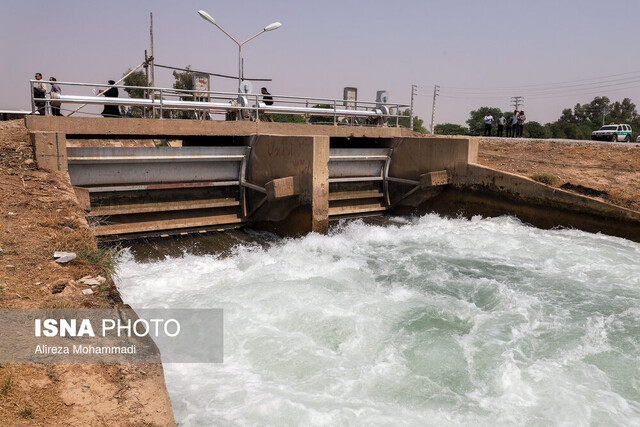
(146, 191)
(135, 192)
(289, 178)
(358, 181)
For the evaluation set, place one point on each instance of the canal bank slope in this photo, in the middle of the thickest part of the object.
(606, 171)
(38, 216)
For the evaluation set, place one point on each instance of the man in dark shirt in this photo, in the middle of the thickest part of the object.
(268, 100)
(111, 110)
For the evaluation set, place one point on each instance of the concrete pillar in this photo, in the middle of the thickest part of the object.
(412, 158)
(50, 150)
(307, 159)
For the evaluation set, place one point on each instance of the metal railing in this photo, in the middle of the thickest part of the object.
(235, 106)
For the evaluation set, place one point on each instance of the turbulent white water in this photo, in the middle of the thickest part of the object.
(428, 322)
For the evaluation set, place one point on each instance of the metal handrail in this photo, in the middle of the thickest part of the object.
(365, 108)
(233, 94)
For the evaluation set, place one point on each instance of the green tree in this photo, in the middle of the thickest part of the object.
(565, 130)
(591, 112)
(288, 118)
(405, 121)
(450, 129)
(567, 116)
(536, 130)
(137, 78)
(624, 111)
(584, 119)
(184, 81)
(321, 119)
(476, 119)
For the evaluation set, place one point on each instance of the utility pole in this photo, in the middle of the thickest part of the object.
(414, 91)
(436, 91)
(152, 59)
(516, 101)
(146, 73)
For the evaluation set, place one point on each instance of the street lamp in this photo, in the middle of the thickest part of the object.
(269, 27)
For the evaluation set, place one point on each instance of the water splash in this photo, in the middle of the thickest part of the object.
(424, 321)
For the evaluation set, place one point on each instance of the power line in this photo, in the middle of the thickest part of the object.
(549, 93)
(596, 80)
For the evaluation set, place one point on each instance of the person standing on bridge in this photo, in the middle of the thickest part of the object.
(488, 119)
(268, 100)
(55, 94)
(39, 91)
(111, 110)
(509, 123)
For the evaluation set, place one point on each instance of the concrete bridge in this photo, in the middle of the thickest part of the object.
(289, 178)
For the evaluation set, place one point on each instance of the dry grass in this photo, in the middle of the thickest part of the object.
(5, 387)
(54, 304)
(621, 197)
(545, 178)
(26, 412)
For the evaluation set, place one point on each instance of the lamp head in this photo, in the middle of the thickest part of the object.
(208, 17)
(273, 26)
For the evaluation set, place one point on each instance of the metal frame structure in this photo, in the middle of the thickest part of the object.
(246, 106)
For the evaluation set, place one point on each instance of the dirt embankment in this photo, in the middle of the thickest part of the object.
(610, 172)
(38, 216)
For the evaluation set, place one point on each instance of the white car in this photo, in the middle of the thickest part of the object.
(614, 132)
(638, 138)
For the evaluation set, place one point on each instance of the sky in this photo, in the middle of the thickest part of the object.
(481, 53)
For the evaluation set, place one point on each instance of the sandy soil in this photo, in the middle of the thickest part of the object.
(37, 218)
(605, 167)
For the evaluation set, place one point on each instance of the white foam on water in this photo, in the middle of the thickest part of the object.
(431, 321)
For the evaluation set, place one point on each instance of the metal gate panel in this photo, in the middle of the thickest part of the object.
(139, 165)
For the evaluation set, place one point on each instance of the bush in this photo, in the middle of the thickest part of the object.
(544, 178)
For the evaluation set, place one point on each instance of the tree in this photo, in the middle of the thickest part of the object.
(450, 129)
(137, 78)
(565, 130)
(321, 119)
(476, 119)
(405, 121)
(184, 81)
(536, 130)
(584, 119)
(288, 118)
(592, 112)
(567, 116)
(624, 111)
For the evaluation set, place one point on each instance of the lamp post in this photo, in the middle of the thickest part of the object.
(270, 27)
